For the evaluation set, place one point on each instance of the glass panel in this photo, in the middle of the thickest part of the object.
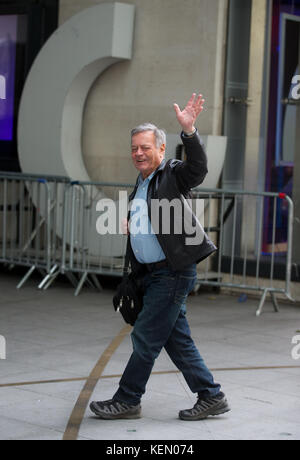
(8, 38)
(288, 102)
(280, 151)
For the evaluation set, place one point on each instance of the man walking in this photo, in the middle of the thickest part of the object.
(167, 261)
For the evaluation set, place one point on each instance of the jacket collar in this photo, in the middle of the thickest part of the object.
(160, 168)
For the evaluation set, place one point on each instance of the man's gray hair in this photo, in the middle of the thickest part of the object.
(160, 135)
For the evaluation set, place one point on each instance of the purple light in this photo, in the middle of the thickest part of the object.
(8, 38)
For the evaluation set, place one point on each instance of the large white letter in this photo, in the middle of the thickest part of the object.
(53, 99)
(54, 96)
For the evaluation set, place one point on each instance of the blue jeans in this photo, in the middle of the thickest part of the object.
(163, 323)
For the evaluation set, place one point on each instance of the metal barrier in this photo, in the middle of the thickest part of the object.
(50, 224)
(30, 208)
(86, 252)
(234, 220)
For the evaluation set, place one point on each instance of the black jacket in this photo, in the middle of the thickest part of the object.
(174, 179)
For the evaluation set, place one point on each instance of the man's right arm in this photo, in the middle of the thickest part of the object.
(191, 172)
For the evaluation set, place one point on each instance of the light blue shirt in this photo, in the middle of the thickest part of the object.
(143, 240)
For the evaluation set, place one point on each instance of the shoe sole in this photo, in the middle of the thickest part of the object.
(106, 416)
(219, 409)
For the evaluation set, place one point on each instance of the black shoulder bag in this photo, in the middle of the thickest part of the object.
(129, 298)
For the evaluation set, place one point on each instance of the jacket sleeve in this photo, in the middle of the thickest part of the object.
(191, 172)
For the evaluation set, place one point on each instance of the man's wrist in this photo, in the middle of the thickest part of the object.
(189, 133)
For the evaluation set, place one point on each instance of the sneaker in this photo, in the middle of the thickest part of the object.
(204, 408)
(112, 410)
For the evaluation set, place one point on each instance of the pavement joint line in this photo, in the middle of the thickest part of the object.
(113, 376)
(77, 414)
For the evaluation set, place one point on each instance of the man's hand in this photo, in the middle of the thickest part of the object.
(189, 115)
(125, 226)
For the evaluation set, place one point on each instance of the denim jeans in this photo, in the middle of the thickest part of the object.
(163, 323)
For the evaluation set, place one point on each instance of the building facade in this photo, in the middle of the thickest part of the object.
(243, 55)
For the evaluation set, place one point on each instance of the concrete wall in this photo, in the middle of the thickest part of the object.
(179, 47)
(253, 160)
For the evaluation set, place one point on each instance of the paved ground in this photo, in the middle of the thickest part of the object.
(54, 340)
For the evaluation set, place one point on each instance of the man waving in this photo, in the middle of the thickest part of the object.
(167, 262)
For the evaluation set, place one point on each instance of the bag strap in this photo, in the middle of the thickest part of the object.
(127, 259)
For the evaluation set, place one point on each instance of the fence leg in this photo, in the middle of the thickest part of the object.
(25, 278)
(46, 279)
(50, 280)
(81, 282)
(262, 301)
(275, 303)
(96, 282)
(71, 278)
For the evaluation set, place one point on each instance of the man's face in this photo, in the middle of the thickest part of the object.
(146, 156)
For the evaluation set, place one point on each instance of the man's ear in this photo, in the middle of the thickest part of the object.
(163, 149)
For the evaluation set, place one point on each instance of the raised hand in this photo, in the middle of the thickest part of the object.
(188, 116)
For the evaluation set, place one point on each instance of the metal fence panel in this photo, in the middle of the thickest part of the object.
(51, 224)
(237, 231)
(29, 210)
